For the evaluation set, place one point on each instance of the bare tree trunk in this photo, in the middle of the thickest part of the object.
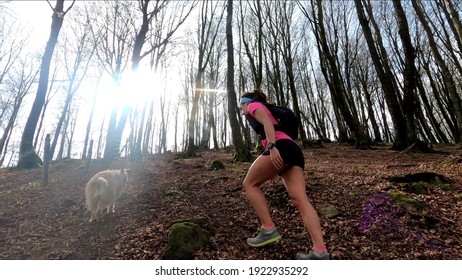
(113, 143)
(409, 75)
(175, 133)
(332, 75)
(61, 121)
(70, 141)
(208, 31)
(455, 21)
(256, 64)
(89, 123)
(63, 135)
(242, 153)
(89, 156)
(164, 109)
(46, 161)
(148, 132)
(139, 138)
(285, 36)
(391, 96)
(100, 140)
(27, 156)
(446, 73)
(48, 98)
(431, 112)
(74, 82)
(24, 86)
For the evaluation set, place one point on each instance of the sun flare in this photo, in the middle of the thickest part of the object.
(135, 90)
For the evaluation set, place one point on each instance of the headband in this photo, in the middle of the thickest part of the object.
(245, 100)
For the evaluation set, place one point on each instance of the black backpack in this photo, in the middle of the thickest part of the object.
(285, 117)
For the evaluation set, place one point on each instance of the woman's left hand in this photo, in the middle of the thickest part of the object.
(276, 158)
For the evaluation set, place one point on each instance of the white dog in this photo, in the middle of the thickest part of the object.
(103, 190)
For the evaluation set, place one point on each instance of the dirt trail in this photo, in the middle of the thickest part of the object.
(52, 223)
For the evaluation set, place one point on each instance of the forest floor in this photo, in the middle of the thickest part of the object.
(52, 223)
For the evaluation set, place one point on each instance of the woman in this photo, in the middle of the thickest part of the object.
(284, 157)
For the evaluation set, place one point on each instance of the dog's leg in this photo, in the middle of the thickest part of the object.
(93, 216)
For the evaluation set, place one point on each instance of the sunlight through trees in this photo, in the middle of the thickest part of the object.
(143, 77)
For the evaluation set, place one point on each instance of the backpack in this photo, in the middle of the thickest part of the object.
(285, 117)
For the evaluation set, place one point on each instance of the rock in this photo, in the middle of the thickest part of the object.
(328, 210)
(419, 187)
(405, 201)
(422, 182)
(171, 194)
(216, 165)
(184, 239)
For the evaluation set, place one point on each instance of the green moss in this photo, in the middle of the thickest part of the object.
(216, 165)
(171, 194)
(419, 187)
(200, 221)
(458, 196)
(442, 182)
(406, 201)
(328, 210)
(445, 187)
(184, 240)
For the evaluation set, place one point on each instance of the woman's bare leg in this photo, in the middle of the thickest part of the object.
(294, 182)
(260, 171)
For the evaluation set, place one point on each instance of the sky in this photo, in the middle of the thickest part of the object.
(35, 16)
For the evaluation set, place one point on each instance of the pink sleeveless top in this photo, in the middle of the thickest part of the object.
(278, 134)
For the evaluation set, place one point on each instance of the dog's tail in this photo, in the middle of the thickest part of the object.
(100, 186)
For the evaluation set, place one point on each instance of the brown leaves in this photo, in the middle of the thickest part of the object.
(51, 223)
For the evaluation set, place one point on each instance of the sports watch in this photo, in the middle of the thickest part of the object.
(271, 145)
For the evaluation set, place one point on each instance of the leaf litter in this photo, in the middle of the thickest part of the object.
(51, 222)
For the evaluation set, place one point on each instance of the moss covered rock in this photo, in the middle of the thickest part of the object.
(405, 201)
(184, 239)
(172, 194)
(203, 222)
(419, 187)
(422, 182)
(328, 210)
(216, 165)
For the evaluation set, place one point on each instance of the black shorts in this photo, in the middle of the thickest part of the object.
(290, 152)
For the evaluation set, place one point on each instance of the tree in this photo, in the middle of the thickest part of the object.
(27, 156)
(210, 18)
(409, 74)
(287, 50)
(333, 77)
(254, 45)
(242, 153)
(81, 57)
(386, 79)
(18, 87)
(163, 25)
(11, 45)
(158, 25)
(447, 75)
